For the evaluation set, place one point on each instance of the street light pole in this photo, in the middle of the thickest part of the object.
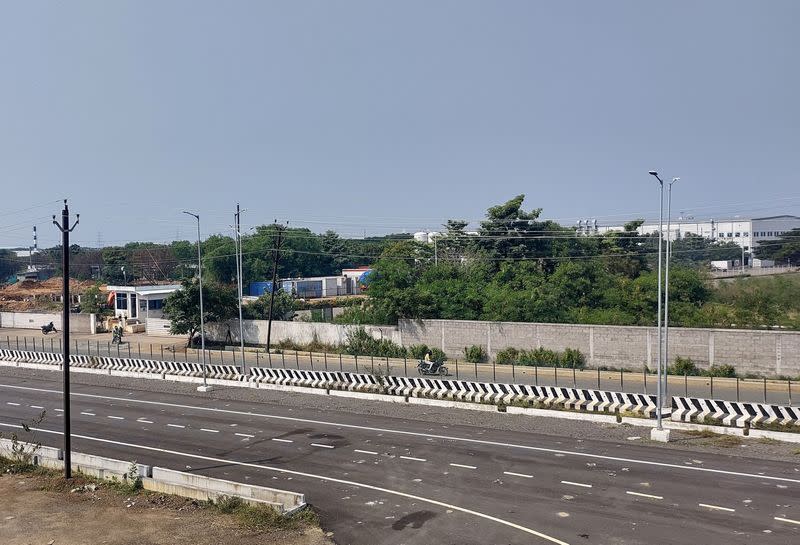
(659, 400)
(205, 387)
(65, 231)
(666, 289)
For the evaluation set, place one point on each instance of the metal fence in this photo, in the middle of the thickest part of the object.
(760, 390)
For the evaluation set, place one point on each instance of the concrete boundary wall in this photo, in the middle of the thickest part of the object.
(78, 323)
(255, 332)
(767, 353)
(162, 480)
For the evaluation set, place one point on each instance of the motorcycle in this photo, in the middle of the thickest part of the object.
(116, 335)
(436, 368)
(49, 328)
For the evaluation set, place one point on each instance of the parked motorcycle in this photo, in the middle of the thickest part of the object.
(432, 368)
(49, 328)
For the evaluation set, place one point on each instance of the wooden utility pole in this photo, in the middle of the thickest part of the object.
(276, 256)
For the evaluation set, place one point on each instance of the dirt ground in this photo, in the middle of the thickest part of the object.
(39, 510)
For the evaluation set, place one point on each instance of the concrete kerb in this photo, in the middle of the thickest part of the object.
(162, 480)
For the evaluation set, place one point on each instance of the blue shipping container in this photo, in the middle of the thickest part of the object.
(257, 289)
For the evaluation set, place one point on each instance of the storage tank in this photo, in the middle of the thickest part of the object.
(421, 236)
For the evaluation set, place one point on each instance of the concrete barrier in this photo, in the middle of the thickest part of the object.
(158, 479)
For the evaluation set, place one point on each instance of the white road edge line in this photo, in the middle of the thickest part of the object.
(321, 445)
(209, 430)
(244, 435)
(413, 459)
(418, 434)
(790, 521)
(176, 425)
(366, 452)
(282, 440)
(716, 507)
(577, 484)
(324, 478)
(518, 474)
(651, 496)
(464, 466)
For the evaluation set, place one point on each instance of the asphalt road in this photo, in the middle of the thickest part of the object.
(774, 392)
(379, 479)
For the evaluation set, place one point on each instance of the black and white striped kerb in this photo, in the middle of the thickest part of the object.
(315, 379)
(489, 392)
(30, 357)
(733, 413)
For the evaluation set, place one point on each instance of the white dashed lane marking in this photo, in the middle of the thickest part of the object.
(464, 466)
(413, 459)
(716, 507)
(143, 421)
(88, 414)
(244, 435)
(117, 417)
(36, 407)
(517, 474)
(10, 403)
(59, 410)
(651, 496)
(209, 430)
(576, 484)
(790, 521)
(176, 425)
(366, 452)
(321, 445)
(282, 440)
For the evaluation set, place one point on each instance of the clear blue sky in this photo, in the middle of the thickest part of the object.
(380, 116)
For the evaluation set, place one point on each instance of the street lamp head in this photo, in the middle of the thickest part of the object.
(674, 180)
(652, 173)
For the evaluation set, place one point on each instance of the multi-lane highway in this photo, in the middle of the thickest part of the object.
(401, 480)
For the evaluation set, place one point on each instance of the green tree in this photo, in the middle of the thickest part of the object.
(282, 308)
(8, 265)
(92, 300)
(785, 249)
(183, 307)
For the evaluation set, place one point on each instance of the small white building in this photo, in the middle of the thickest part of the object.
(140, 302)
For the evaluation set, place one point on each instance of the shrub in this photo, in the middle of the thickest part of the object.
(361, 343)
(572, 357)
(475, 354)
(417, 351)
(507, 356)
(727, 371)
(539, 356)
(438, 355)
(683, 366)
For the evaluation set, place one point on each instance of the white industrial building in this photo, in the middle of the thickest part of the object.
(746, 232)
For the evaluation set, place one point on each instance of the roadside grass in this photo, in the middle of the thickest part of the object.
(716, 439)
(261, 517)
